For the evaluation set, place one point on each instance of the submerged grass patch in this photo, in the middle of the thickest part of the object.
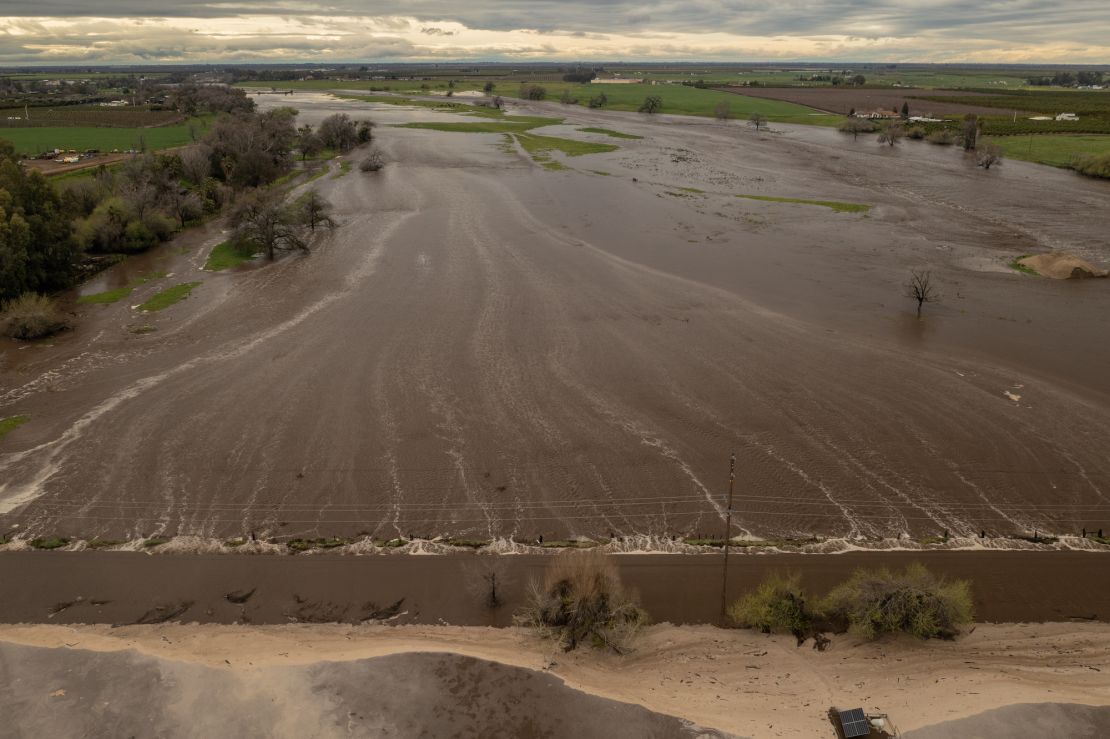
(611, 132)
(1015, 263)
(227, 255)
(99, 543)
(51, 542)
(303, 545)
(534, 144)
(10, 423)
(116, 294)
(344, 168)
(839, 207)
(516, 124)
(169, 296)
(108, 296)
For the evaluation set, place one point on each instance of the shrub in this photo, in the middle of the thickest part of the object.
(778, 605)
(915, 132)
(372, 162)
(533, 92)
(599, 101)
(1092, 165)
(582, 601)
(856, 126)
(914, 601)
(652, 104)
(942, 137)
(31, 316)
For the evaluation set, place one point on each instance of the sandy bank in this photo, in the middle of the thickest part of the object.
(736, 681)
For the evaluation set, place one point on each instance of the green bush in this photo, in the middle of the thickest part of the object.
(1092, 165)
(52, 542)
(778, 605)
(31, 316)
(914, 601)
(915, 132)
(582, 601)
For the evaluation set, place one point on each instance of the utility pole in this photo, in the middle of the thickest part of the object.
(728, 535)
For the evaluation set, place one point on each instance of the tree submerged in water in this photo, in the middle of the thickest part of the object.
(921, 288)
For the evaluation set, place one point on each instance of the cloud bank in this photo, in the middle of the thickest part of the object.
(130, 31)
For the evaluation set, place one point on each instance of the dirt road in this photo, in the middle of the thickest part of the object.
(486, 348)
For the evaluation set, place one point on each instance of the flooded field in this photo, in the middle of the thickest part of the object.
(486, 348)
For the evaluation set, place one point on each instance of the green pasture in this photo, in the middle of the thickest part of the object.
(37, 140)
(1057, 150)
(677, 99)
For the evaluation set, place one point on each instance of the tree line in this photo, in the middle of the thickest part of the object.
(50, 237)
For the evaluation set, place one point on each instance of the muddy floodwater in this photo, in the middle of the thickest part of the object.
(486, 348)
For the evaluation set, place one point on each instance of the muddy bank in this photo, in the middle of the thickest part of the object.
(731, 679)
(128, 588)
(73, 692)
(1027, 721)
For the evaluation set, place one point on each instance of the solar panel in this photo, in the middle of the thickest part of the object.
(854, 722)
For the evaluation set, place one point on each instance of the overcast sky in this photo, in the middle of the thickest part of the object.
(149, 31)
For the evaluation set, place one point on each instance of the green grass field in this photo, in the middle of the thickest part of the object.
(677, 99)
(1057, 150)
(226, 255)
(37, 140)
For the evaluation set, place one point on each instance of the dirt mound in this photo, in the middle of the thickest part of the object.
(1062, 266)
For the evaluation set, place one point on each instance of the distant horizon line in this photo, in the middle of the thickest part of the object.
(552, 61)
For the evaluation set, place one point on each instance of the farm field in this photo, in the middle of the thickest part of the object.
(87, 116)
(1056, 150)
(36, 140)
(677, 99)
(844, 99)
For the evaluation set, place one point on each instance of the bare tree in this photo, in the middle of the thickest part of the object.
(891, 133)
(196, 163)
(723, 111)
(315, 211)
(185, 204)
(988, 153)
(758, 120)
(262, 221)
(856, 126)
(372, 162)
(487, 577)
(921, 288)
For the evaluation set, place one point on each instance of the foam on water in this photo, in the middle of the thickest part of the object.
(640, 544)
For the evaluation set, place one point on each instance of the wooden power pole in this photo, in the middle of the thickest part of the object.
(728, 535)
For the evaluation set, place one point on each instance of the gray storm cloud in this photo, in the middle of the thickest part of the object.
(929, 30)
